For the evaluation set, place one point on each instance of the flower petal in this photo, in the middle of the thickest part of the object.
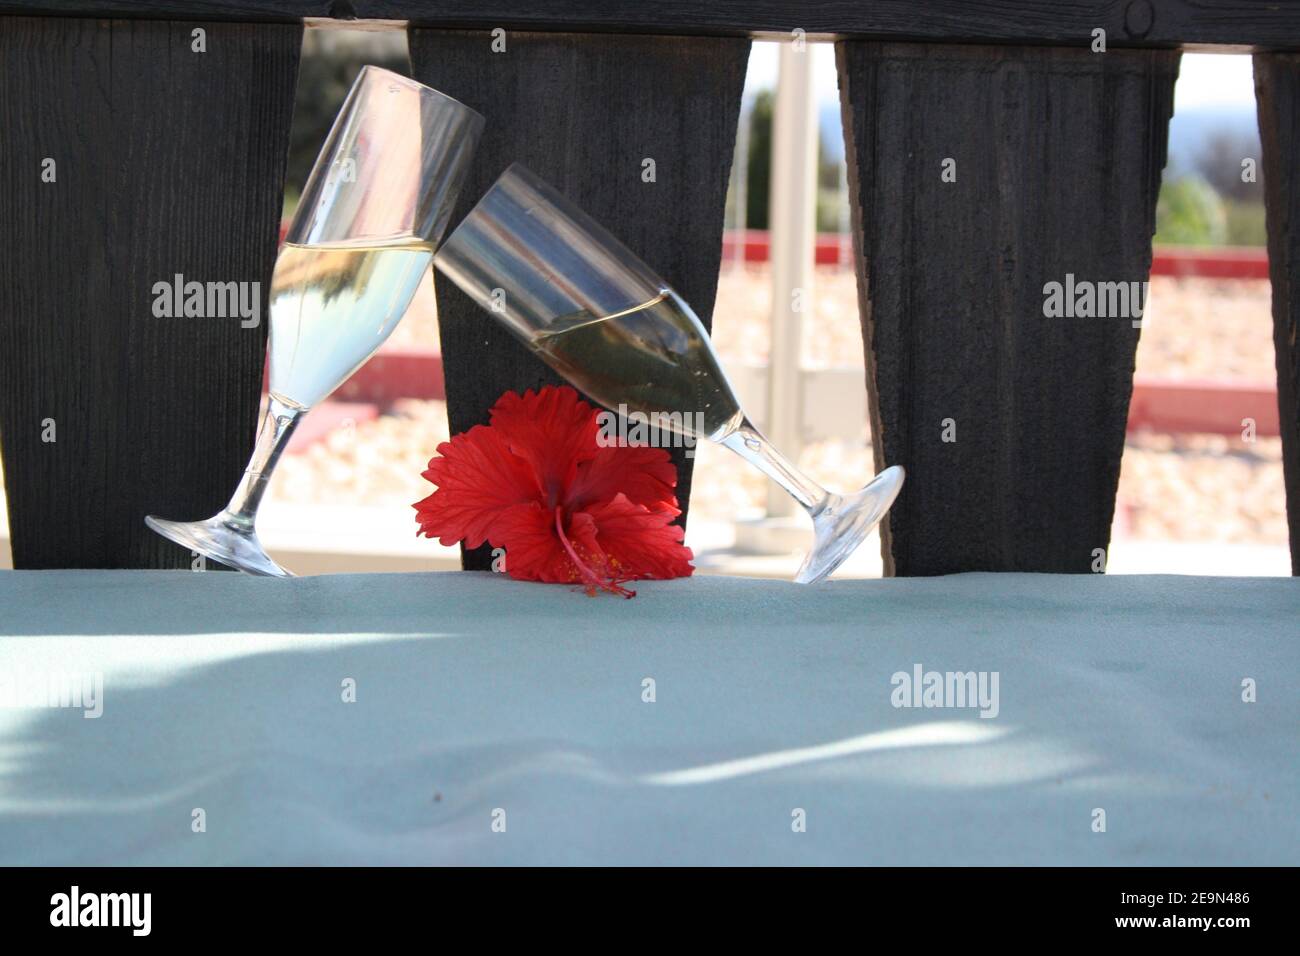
(552, 430)
(645, 475)
(635, 541)
(478, 479)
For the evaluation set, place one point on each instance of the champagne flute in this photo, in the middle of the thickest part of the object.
(594, 312)
(374, 208)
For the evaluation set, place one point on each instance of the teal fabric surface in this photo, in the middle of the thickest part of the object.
(480, 700)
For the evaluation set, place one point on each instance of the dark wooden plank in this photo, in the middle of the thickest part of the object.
(1156, 23)
(1277, 95)
(1058, 160)
(584, 112)
(168, 161)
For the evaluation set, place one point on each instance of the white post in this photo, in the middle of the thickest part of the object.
(792, 221)
(740, 221)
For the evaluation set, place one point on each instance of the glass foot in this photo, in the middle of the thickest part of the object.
(219, 540)
(845, 520)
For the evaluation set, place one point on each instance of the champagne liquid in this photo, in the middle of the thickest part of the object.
(332, 306)
(652, 358)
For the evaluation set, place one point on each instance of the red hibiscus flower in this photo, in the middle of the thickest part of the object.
(566, 510)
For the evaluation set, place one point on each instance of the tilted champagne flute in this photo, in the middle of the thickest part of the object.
(600, 317)
(375, 206)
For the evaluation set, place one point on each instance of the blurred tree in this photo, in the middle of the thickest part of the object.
(1190, 213)
(829, 212)
(1220, 164)
(759, 180)
(1246, 224)
(832, 190)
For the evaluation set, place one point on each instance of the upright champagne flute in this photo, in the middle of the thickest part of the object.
(371, 215)
(594, 312)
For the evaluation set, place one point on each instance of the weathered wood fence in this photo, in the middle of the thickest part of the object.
(127, 157)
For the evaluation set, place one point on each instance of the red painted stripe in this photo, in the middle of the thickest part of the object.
(390, 375)
(1206, 407)
(1215, 263)
(1237, 263)
(831, 248)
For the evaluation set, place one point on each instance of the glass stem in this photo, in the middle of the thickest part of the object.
(748, 442)
(277, 425)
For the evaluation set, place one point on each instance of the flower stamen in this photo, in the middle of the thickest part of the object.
(590, 578)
